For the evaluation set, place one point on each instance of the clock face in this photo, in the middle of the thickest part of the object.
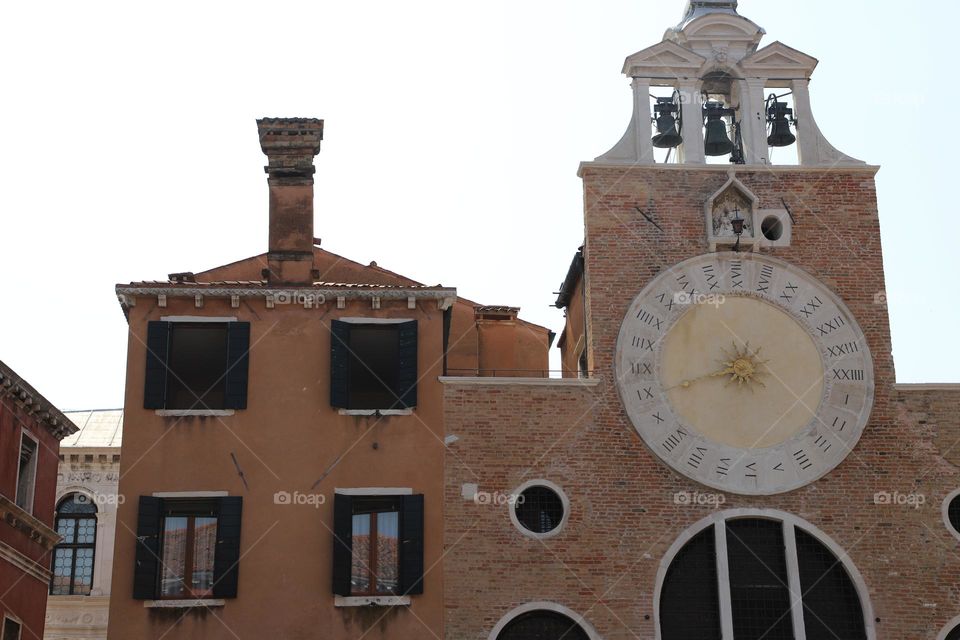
(744, 373)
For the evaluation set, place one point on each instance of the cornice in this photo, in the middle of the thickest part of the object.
(739, 168)
(27, 524)
(21, 393)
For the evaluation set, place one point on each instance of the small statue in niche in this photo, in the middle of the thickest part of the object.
(727, 207)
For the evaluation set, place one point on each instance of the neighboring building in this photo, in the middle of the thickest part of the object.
(87, 501)
(30, 433)
(284, 442)
(740, 463)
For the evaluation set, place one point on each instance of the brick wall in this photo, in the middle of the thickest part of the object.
(623, 513)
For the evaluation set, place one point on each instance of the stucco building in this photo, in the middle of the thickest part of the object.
(30, 433)
(284, 444)
(85, 518)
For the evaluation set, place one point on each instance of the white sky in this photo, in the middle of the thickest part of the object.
(453, 135)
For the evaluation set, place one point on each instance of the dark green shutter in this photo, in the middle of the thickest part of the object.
(226, 559)
(147, 556)
(340, 364)
(342, 543)
(238, 364)
(411, 545)
(155, 380)
(407, 377)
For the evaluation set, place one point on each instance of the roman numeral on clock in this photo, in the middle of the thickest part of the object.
(823, 443)
(802, 459)
(642, 343)
(766, 277)
(646, 393)
(674, 440)
(736, 274)
(696, 457)
(829, 327)
(751, 471)
(810, 308)
(712, 281)
(724, 467)
(641, 368)
(845, 349)
(666, 300)
(848, 374)
(842, 423)
(650, 319)
(789, 292)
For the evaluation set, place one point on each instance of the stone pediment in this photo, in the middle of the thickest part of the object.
(663, 59)
(721, 27)
(779, 60)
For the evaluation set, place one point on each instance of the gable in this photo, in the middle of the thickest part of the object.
(779, 59)
(663, 59)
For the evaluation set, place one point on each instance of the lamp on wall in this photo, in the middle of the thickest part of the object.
(669, 119)
(779, 119)
(737, 224)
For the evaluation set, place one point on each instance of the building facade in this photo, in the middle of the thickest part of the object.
(30, 433)
(85, 518)
(740, 462)
(284, 445)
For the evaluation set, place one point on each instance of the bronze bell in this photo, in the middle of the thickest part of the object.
(716, 140)
(780, 116)
(667, 136)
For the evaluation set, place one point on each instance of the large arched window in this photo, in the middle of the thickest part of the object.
(73, 557)
(542, 625)
(751, 575)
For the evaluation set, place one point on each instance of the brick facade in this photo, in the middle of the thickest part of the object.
(623, 518)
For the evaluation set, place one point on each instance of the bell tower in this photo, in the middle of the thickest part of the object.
(722, 96)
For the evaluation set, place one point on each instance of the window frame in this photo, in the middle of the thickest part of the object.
(188, 556)
(371, 564)
(552, 607)
(25, 434)
(945, 511)
(158, 352)
(788, 521)
(540, 482)
(949, 628)
(404, 401)
(3, 630)
(76, 546)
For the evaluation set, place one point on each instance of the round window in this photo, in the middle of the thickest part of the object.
(952, 513)
(539, 509)
(772, 228)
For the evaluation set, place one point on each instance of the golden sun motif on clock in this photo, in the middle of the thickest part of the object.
(744, 373)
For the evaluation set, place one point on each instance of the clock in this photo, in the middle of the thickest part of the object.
(744, 373)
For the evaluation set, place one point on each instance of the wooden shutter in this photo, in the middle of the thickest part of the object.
(238, 364)
(342, 543)
(226, 559)
(340, 364)
(147, 557)
(155, 380)
(411, 545)
(407, 377)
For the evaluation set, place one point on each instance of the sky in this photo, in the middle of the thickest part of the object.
(453, 135)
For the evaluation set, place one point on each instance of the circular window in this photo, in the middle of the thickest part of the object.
(951, 513)
(772, 228)
(539, 509)
(953, 635)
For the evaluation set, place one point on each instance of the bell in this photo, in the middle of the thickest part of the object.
(667, 136)
(716, 140)
(780, 135)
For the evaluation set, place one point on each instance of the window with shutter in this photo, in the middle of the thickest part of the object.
(187, 548)
(373, 366)
(378, 545)
(197, 366)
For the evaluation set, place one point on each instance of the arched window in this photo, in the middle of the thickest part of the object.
(73, 557)
(954, 634)
(758, 577)
(542, 625)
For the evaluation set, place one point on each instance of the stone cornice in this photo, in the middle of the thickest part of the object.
(20, 393)
(27, 524)
(740, 168)
(520, 382)
(24, 563)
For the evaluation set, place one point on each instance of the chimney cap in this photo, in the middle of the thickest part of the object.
(290, 145)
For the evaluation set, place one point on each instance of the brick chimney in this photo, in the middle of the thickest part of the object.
(290, 145)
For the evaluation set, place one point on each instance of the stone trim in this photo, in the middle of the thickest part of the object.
(544, 606)
(520, 382)
(184, 604)
(741, 168)
(371, 601)
(33, 528)
(25, 564)
(927, 386)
